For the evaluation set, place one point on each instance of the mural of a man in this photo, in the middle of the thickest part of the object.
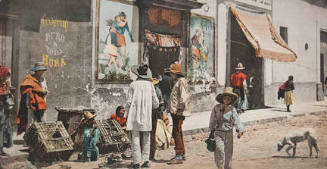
(117, 29)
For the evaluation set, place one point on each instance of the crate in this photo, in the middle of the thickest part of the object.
(71, 118)
(112, 135)
(49, 140)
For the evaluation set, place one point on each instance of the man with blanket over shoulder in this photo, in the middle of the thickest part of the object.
(32, 105)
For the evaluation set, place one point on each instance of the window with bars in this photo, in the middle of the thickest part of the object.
(283, 33)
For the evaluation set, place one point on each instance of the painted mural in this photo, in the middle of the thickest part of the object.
(117, 50)
(201, 61)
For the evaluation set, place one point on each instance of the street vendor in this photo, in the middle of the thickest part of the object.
(32, 105)
(90, 138)
(6, 107)
(119, 116)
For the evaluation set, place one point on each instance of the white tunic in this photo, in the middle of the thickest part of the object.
(142, 98)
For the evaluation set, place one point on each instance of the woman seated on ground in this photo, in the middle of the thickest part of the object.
(119, 116)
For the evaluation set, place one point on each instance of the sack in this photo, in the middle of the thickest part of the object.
(163, 135)
(211, 144)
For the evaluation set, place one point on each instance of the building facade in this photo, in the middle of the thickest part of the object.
(89, 47)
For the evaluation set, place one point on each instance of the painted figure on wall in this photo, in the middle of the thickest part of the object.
(201, 56)
(116, 47)
(199, 51)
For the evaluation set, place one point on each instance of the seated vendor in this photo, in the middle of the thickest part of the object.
(90, 138)
(119, 116)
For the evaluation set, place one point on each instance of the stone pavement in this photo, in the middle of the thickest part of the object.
(199, 122)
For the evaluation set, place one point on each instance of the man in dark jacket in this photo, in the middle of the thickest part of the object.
(166, 85)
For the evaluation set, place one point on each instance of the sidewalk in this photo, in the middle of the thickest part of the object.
(199, 122)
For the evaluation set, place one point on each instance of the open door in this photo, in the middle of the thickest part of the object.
(242, 51)
(323, 60)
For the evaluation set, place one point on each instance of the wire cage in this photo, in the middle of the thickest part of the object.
(49, 140)
(113, 137)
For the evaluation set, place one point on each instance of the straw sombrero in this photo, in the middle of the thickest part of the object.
(240, 66)
(88, 115)
(176, 68)
(154, 81)
(228, 91)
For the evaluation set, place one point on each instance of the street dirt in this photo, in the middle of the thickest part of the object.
(257, 149)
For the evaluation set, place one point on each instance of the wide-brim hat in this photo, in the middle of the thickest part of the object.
(88, 115)
(228, 91)
(39, 66)
(141, 71)
(240, 66)
(154, 81)
(176, 68)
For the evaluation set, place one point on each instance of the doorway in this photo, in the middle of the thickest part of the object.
(323, 60)
(162, 50)
(161, 58)
(242, 51)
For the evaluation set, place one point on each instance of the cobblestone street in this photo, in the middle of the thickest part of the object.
(256, 149)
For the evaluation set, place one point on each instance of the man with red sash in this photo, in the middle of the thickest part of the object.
(32, 104)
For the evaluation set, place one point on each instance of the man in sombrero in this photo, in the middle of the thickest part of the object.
(238, 81)
(142, 99)
(222, 120)
(33, 104)
(178, 107)
(91, 135)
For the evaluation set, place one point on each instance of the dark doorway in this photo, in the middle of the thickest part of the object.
(323, 61)
(161, 58)
(242, 51)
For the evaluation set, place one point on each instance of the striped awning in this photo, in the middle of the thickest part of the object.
(262, 35)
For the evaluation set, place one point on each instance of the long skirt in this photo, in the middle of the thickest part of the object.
(289, 98)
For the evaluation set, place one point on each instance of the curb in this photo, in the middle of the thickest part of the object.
(261, 121)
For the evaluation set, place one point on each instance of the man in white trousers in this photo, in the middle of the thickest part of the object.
(142, 99)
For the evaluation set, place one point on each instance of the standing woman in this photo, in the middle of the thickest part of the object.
(289, 96)
(222, 120)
